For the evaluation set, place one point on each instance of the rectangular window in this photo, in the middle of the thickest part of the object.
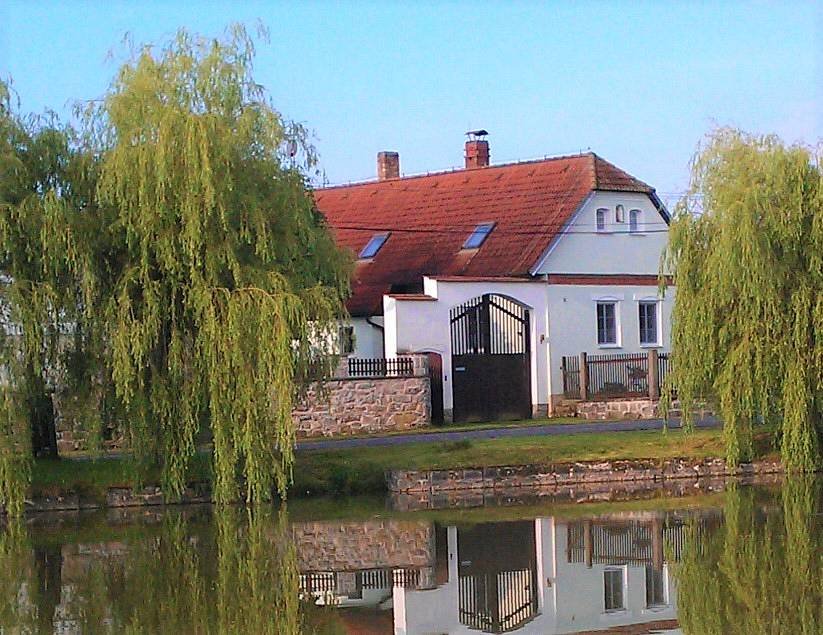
(373, 246)
(600, 217)
(634, 221)
(648, 323)
(606, 323)
(655, 587)
(346, 340)
(478, 236)
(613, 589)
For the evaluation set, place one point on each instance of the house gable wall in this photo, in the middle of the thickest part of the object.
(581, 249)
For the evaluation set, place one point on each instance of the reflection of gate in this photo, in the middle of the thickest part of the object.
(490, 360)
(497, 586)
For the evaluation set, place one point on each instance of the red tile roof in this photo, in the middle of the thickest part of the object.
(430, 217)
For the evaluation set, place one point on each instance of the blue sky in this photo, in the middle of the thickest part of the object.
(638, 82)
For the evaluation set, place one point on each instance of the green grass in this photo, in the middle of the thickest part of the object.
(362, 470)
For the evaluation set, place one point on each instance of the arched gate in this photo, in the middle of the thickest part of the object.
(491, 367)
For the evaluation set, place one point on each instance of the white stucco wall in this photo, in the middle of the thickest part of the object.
(368, 338)
(572, 601)
(573, 321)
(582, 250)
(413, 326)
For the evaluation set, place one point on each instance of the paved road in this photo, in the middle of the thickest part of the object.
(498, 433)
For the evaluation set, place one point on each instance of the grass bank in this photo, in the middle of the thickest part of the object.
(361, 470)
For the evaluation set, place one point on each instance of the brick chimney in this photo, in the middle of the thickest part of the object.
(388, 165)
(477, 153)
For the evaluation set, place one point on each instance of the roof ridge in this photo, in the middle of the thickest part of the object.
(456, 170)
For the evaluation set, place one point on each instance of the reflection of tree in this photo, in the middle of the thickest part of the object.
(237, 574)
(18, 610)
(756, 574)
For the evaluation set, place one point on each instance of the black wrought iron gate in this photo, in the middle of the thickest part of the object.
(491, 369)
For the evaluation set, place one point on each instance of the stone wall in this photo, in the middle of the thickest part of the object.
(554, 476)
(363, 406)
(618, 409)
(637, 408)
(352, 546)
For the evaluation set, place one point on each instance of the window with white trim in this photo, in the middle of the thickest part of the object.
(607, 323)
(634, 221)
(655, 586)
(647, 318)
(600, 219)
(613, 590)
(619, 214)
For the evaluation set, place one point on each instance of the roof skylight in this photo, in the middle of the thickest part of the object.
(478, 236)
(373, 246)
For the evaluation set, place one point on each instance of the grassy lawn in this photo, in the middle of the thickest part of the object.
(361, 470)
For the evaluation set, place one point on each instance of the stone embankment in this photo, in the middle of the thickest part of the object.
(553, 476)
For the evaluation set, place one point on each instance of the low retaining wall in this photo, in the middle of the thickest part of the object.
(553, 476)
(364, 406)
(618, 409)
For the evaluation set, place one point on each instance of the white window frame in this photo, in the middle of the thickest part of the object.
(617, 330)
(636, 222)
(658, 311)
(619, 214)
(652, 608)
(623, 571)
(600, 215)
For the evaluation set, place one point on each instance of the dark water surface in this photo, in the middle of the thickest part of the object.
(747, 560)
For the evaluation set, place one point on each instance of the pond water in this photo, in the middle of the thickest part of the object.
(746, 560)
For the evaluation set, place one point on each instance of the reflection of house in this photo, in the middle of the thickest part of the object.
(501, 271)
(545, 577)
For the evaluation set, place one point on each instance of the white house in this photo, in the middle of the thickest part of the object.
(501, 271)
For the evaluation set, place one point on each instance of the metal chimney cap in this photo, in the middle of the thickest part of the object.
(473, 134)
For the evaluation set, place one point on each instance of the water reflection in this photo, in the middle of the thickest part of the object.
(752, 566)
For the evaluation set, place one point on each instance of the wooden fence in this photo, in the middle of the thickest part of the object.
(604, 377)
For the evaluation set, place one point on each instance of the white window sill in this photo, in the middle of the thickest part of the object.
(609, 346)
(651, 346)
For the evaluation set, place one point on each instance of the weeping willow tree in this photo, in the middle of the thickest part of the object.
(747, 324)
(179, 277)
(46, 185)
(756, 573)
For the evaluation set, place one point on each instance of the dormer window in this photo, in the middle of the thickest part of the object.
(373, 246)
(619, 214)
(478, 236)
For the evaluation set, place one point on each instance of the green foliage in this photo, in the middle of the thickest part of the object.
(170, 268)
(747, 325)
(237, 574)
(755, 574)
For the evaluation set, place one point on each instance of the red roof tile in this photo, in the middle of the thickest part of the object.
(430, 217)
